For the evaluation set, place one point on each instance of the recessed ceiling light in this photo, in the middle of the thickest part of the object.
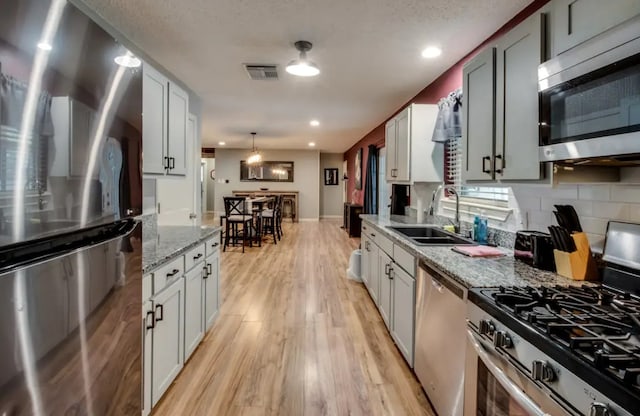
(431, 52)
(221, 143)
(128, 60)
(45, 46)
(303, 67)
(312, 144)
(314, 123)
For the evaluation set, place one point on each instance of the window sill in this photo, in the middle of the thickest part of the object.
(493, 210)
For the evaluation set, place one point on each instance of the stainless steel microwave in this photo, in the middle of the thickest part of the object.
(590, 98)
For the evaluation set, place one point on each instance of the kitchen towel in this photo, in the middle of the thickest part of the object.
(479, 251)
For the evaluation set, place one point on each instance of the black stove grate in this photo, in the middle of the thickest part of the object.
(599, 324)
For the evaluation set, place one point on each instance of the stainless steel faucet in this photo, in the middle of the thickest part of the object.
(452, 189)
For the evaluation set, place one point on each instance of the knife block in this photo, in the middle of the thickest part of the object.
(578, 265)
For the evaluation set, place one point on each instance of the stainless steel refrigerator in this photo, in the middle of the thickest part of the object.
(70, 186)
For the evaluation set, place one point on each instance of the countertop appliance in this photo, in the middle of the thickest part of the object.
(535, 249)
(70, 301)
(559, 350)
(439, 339)
(590, 100)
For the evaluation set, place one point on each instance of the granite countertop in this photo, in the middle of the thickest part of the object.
(470, 272)
(165, 242)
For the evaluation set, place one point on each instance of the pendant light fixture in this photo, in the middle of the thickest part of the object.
(255, 157)
(303, 67)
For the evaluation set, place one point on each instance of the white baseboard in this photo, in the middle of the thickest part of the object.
(330, 217)
(309, 219)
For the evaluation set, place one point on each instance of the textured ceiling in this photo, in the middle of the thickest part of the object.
(368, 52)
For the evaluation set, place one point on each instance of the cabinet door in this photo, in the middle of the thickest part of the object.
(385, 264)
(575, 21)
(155, 97)
(519, 53)
(168, 338)
(193, 314)
(364, 259)
(478, 122)
(178, 114)
(81, 139)
(212, 289)
(390, 146)
(374, 273)
(403, 146)
(148, 322)
(402, 326)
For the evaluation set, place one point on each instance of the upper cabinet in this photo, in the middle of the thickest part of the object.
(411, 155)
(73, 123)
(165, 109)
(575, 21)
(500, 105)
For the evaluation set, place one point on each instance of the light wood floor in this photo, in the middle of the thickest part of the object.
(295, 337)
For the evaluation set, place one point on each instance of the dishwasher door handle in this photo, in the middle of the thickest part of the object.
(437, 286)
(512, 388)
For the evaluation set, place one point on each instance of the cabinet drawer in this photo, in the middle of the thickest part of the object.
(405, 259)
(212, 244)
(167, 274)
(194, 257)
(369, 231)
(147, 286)
(384, 243)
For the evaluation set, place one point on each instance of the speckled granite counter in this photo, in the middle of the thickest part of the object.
(170, 241)
(470, 272)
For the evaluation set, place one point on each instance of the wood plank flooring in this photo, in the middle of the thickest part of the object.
(295, 337)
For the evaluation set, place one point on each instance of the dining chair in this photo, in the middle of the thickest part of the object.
(270, 221)
(235, 216)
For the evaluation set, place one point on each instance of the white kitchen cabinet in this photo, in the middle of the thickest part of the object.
(148, 323)
(365, 254)
(500, 107)
(478, 105)
(374, 273)
(211, 283)
(73, 124)
(385, 302)
(575, 21)
(519, 53)
(178, 115)
(411, 155)
(403, 319)
(193, 316)
(155, 100)
(168, 338)
(165, 109)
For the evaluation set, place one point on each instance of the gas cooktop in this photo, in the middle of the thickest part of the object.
(599, 324)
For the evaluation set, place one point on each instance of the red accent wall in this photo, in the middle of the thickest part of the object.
(431, 94)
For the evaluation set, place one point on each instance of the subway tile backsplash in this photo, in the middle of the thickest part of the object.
(596, 205)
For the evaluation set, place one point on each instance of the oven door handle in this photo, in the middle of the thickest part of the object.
(513, 389)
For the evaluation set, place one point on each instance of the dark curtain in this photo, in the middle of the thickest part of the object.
(371, 184)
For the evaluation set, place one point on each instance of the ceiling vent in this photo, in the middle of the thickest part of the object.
(261, 72)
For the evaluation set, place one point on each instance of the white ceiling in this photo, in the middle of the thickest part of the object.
(368, 52)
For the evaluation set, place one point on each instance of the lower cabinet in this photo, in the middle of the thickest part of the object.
(403, 318)
(210, 286)
(193, 318)
(167, 356)
(392, 289)
(385, 297)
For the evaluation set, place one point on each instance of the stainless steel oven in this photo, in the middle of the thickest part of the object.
(590, 98)
(496, 387)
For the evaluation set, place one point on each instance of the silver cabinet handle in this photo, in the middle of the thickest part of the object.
(391, 273)
(387, 269)
(514, 391)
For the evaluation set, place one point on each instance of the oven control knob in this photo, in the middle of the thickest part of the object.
(599, 409)
(502, 340)
(486, 327)
(542, 371)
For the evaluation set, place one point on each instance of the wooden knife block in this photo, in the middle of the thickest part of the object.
(578, 265)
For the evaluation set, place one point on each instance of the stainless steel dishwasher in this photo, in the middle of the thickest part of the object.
(440, 340)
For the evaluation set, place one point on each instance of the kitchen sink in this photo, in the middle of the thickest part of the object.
(431, 236)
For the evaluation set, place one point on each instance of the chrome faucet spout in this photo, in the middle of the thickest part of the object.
(451, 189)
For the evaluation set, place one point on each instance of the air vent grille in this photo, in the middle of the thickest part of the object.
(262, 72)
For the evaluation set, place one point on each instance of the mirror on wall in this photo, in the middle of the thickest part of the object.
(266, 172)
